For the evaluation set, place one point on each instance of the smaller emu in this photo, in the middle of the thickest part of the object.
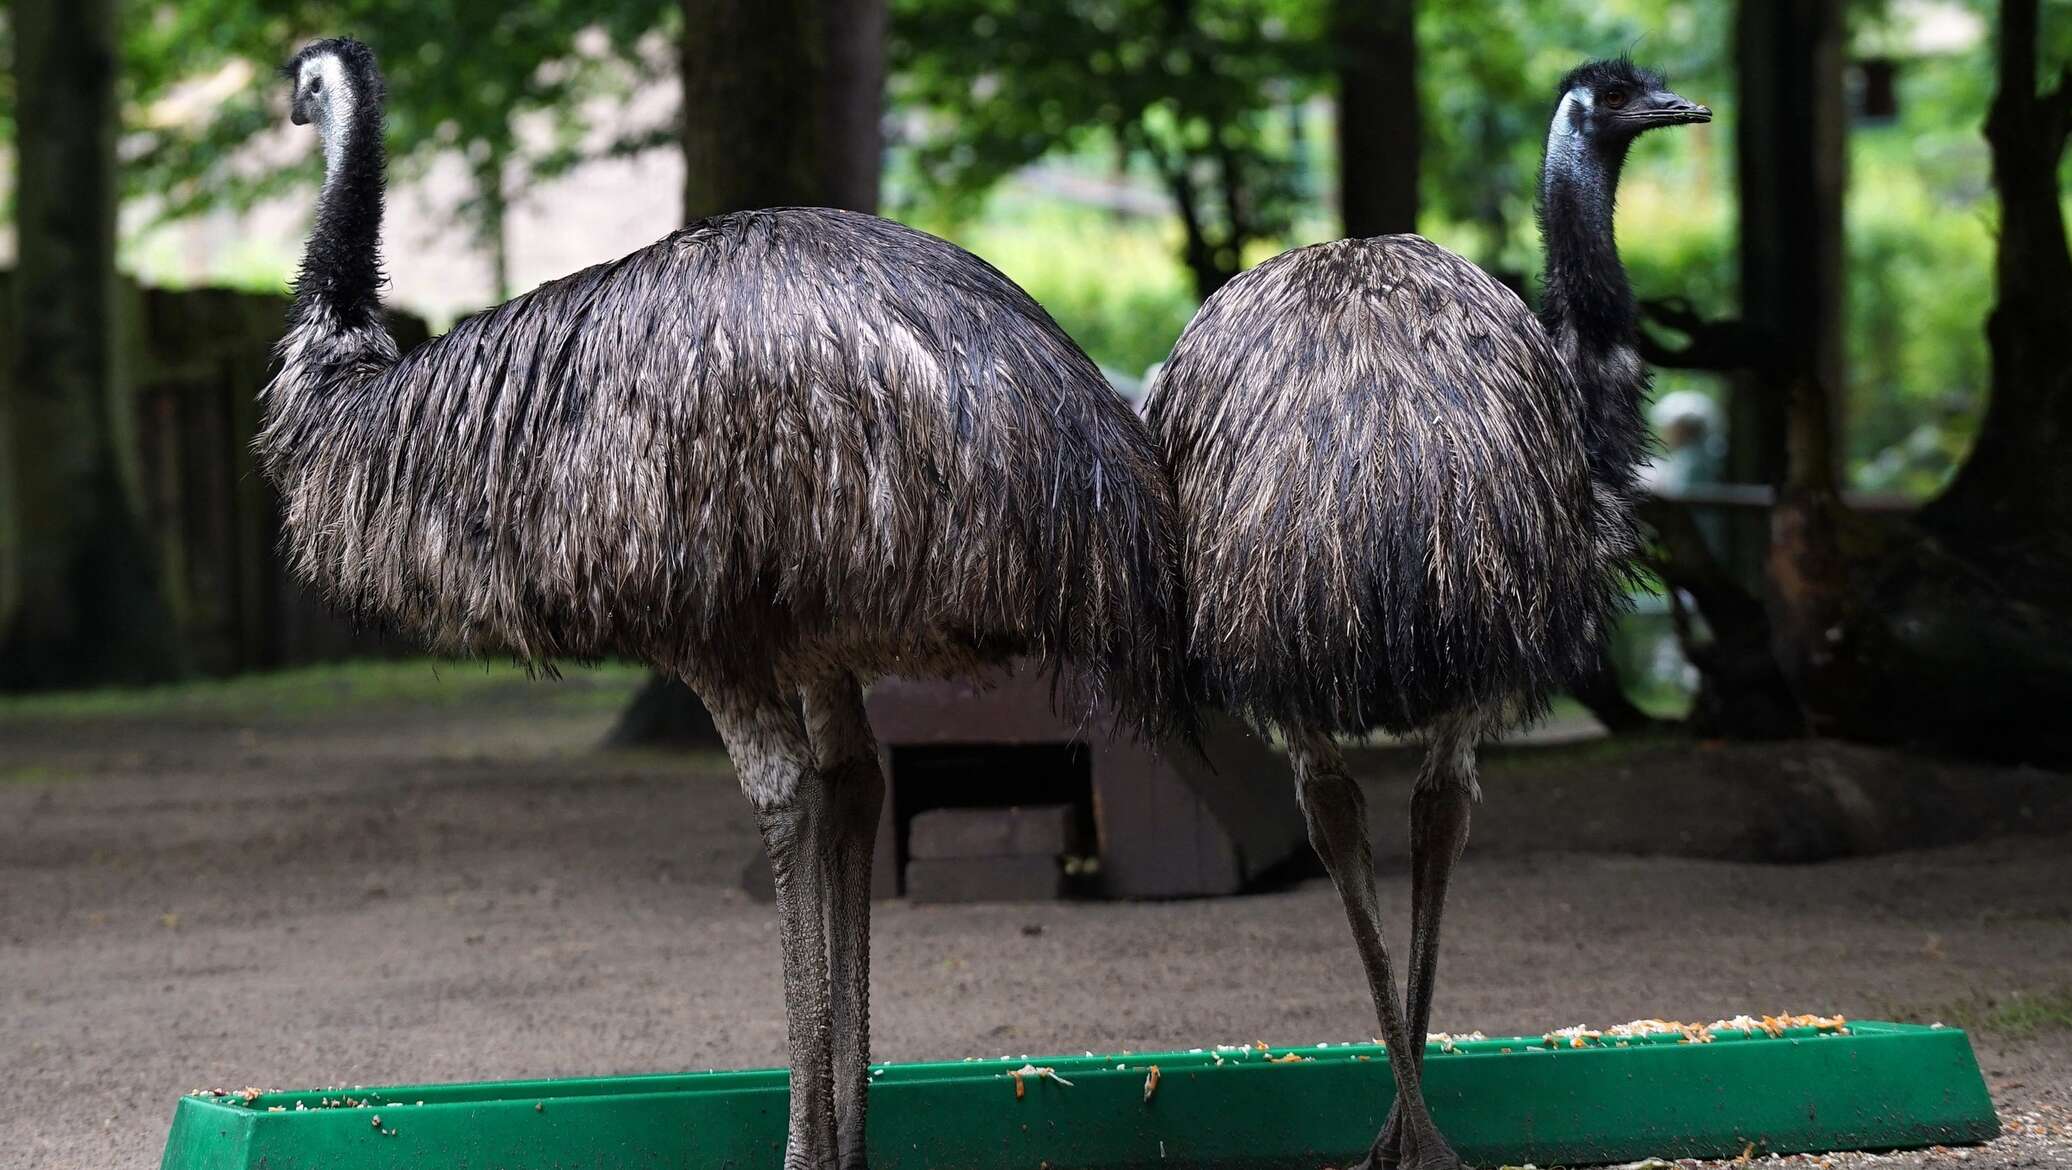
(1406, 506)
(777, 454)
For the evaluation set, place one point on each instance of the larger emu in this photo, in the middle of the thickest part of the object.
(776, 453)
(1405, 506)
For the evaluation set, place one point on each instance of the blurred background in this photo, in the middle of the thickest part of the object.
(1834, 231)
(1851, 643)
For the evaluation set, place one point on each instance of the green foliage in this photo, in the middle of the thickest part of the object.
(199, 85)
(1125, 311)
(1144, 105)
(2016, 1015)
(1920, 255)
(1193, 91)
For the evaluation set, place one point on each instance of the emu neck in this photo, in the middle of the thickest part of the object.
(1589, 306)
(335, 344)
(340, 283)
(1587, 294)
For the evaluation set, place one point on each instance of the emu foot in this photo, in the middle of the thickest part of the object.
(1409, 1147)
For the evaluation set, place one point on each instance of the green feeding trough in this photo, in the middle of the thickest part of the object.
(1569, 1098)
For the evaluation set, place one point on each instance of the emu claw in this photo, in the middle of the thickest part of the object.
(1400, 1147)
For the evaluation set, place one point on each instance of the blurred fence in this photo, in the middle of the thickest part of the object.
(195, 360)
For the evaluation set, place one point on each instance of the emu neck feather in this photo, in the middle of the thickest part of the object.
(1587, 292)
(1589, 304)
(339, 286)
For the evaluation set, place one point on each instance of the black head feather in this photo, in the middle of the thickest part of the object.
(1607, 73)
(354, 54)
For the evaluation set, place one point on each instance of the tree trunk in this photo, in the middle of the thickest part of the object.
(1380, 133)
(664, 714)
(783, 106)
(1741, 692)
(1952, 629)
(752, 75)
(1956, 631)
(90, 606)
(10, 516)
(1601, 693)
(852, 109)
(1793, 147)
(1790, 149)
(2010, 505)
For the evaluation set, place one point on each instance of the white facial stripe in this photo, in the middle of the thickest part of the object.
(338, 99)
(1577, 99)
(1562, 135)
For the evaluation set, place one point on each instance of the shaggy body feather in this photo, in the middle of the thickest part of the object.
(1408, 505)
(769, 436)
(777, 453)
(1387, 503)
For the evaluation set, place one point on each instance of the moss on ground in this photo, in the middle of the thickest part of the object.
(2016, 1015)
(307, 690)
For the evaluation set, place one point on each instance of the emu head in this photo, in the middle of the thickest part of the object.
(1607, 104)
(333, 80)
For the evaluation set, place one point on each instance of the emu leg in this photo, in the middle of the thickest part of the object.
(1439, 813)
(1336, 812)
(767, 741)
(848, 758)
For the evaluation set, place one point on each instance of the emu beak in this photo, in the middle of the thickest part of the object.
(1663, 108)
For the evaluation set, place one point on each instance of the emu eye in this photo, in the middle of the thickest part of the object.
(1616, 99)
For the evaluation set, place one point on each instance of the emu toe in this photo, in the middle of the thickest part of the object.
(1405, 1147)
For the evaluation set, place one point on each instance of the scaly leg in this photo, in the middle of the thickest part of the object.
(767, 741)
(1439, 812)
(848, 759)
(1336, 812)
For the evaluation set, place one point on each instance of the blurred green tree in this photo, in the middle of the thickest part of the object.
(1188, 88)
(511, 88)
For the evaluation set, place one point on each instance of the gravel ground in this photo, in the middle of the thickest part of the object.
(469, 893)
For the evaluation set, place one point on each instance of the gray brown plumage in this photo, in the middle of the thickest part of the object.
(768, 430)
(1406, 505)
(1387, 509)
(778, 453)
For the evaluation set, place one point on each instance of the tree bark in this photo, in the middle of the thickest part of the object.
(1601, 693)
(2011, 503)
(664, 714)
(1380, 129)
(1741, 692)
(852, 107)
(1791, 139)
(1792, 151)
(1956, 631)
(783, 104)
(89, 605)
(752, 72)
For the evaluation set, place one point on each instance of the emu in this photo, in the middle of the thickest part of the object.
(1406, 506)
(777, 453)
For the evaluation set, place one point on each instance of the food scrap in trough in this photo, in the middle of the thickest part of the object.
(1030, 1070)
(1620, 1034)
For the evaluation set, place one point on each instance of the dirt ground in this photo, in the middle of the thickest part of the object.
(468, 891)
